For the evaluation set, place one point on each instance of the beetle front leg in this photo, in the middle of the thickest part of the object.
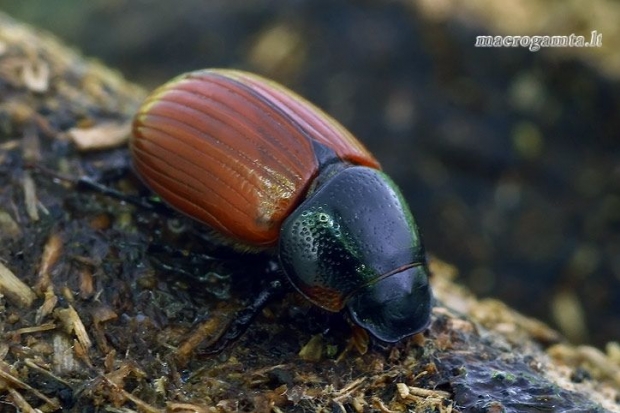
(243, 319)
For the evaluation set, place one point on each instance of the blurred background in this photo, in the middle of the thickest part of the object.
(510, 159)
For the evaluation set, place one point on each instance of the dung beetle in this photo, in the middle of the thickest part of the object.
(267, 170)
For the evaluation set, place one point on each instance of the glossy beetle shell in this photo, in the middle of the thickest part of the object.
(354, 243)
(235, 151)
(331, 249)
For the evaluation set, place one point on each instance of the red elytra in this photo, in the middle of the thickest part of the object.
(234, 151)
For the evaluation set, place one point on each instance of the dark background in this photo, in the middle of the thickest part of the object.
(510, 159)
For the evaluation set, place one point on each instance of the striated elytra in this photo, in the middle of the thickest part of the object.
(267, 170)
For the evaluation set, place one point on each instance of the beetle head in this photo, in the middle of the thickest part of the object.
(396, 306)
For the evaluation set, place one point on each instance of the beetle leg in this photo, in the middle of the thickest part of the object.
(243, 319)
(86, 183)
(96, 185)
(154, 204)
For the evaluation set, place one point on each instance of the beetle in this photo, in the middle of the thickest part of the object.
(267, 170)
